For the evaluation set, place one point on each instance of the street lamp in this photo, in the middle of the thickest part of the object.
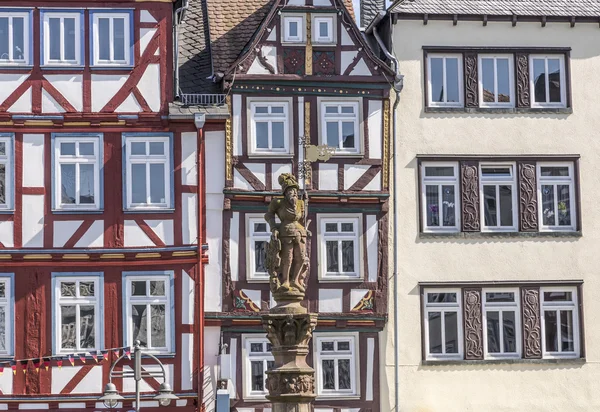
(111, 397)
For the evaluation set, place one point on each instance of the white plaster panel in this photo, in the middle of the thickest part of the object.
(30, 406)
(163, 229)
(370, 369)
(253, 295)
(330, 300)
(234, 369)
(258, 170)
(374, 184)
(189, 218)
(183, 402)
(3, 406)
(70, 86)
(104, 87)
(91, 383)
(212, 339)
(212, 271)
(296, 3)
(372, 242)
(49, 104)
(100, 405)
(93, 237)
(149, 86)
(346, 39)
(23, 103)
(321, 3)
(33, 221)
(134, 236)
(65, 374)
(129, 105)
(129, 384)
(328, 176)
(33, 155)
(6, 381)
(239, 182)
(350, 409)
(234, 235)
(356, 295)
(278, 169)
(187, 298)
(215, 163)
(361, 69)
(146, 404)
(270, 54)
(273, 33)
(237, 124)
(346, 58)
(7, 235)
(71, 405)
(146, 17)
(63, 230)
(323, 410)
(189, 150)
(351, 174)
(375, 128)
(187, 360)
(145, 37)
(272, 302)
(8, 84)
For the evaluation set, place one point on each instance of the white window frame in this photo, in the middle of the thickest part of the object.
(573, 306)
(286, 118)
(298, 19)
(443, 307)
(251, 219)
(461, 98)
(316, 35)
(563, 81)
(511, 82)
(96, 36)
(340, 117)
(247, 358)
(8, 303)
(147, 160)
(26, 38)
(166, 300)
(502, 307)
(77, 160)
(353, 354)
(78, 34)
(7, 159)
(59, 301)
(356, 236)
(557, 180)
(440, 181)
(497, 181)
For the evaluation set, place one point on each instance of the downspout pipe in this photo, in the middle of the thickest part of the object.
(397, 86)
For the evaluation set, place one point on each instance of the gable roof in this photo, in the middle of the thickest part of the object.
(558, 8)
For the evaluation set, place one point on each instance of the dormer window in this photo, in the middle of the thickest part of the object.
(293, 29)
(323, 29)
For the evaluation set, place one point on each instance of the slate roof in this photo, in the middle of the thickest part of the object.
(558, 8)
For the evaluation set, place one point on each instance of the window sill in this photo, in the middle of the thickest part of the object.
(337, 397)
(270, 155)
(341, 280)
(7, 211)
(257, 280)
(51, 66)
(111, 67)
(77, 211)
(139, 211)
(476, 235)
(500, 110)
(511, 361)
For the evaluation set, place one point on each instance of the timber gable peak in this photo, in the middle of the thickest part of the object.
(269, 52)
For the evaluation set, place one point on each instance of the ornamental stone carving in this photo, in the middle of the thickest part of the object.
(471, 81)
(532, 331)
(290, 383)
(473, 324)
(470, 196)
(523, 93)
(528, 207)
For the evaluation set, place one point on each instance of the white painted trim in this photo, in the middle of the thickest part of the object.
(188, 286)
(27, 43)
(559, 306)
(287, 118)
(356, 236)
(234, 242)
(187, 360)
(443, 308)
(330, 20)
(440, 181)
(300, 19)
(96, 41)
(563, 81)
(370, 375)
(247, 358)
(357, 119)
(372, 247)
(511, 81)
(233, 354)
(236, 120)
(497, 182)
(445, 56)
(353, 355)
(62, 15)
(251, 237)
(501, 307)
(554, 181)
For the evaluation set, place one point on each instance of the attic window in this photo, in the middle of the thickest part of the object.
(293, 29)
(323, 29)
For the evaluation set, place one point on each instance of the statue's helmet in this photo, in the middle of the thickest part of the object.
(287, 181)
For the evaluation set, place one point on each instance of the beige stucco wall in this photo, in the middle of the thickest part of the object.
(499, 387)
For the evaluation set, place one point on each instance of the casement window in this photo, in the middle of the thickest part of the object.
(269, 129)
(149, 310)
(560, 322)
(445, 79)
(15, 32)
(257, 360)
(112, 40)
(340, 126)
(556, 193)
(293, 29)
(548, 84)
(339, 245)
(7, 303)
(439, 191)
(323, 29)
(501, 323)
(336, 360)
(77, 179)
(148, 172)
(258, 239)
(62, 38)
(496, 80)
(6, 171)
(77, 313)
(499, 197)
(443, 324)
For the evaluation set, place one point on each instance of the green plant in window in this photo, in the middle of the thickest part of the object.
(562, 208)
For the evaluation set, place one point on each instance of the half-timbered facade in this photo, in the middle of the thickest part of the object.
(99, 196)
(301, 77)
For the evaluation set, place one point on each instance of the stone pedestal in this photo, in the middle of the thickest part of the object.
(291, 383)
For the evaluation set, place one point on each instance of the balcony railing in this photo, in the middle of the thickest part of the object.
(189, 99)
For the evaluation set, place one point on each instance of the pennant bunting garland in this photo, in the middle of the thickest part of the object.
(46, 363)
(37, 363)
(116, 352)
(82, 357)
(59, 362)
(105, 354)
(95, 355)
(72, 360)
(128, 353)
(24, 365)
(1, 369)
(13, 366)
